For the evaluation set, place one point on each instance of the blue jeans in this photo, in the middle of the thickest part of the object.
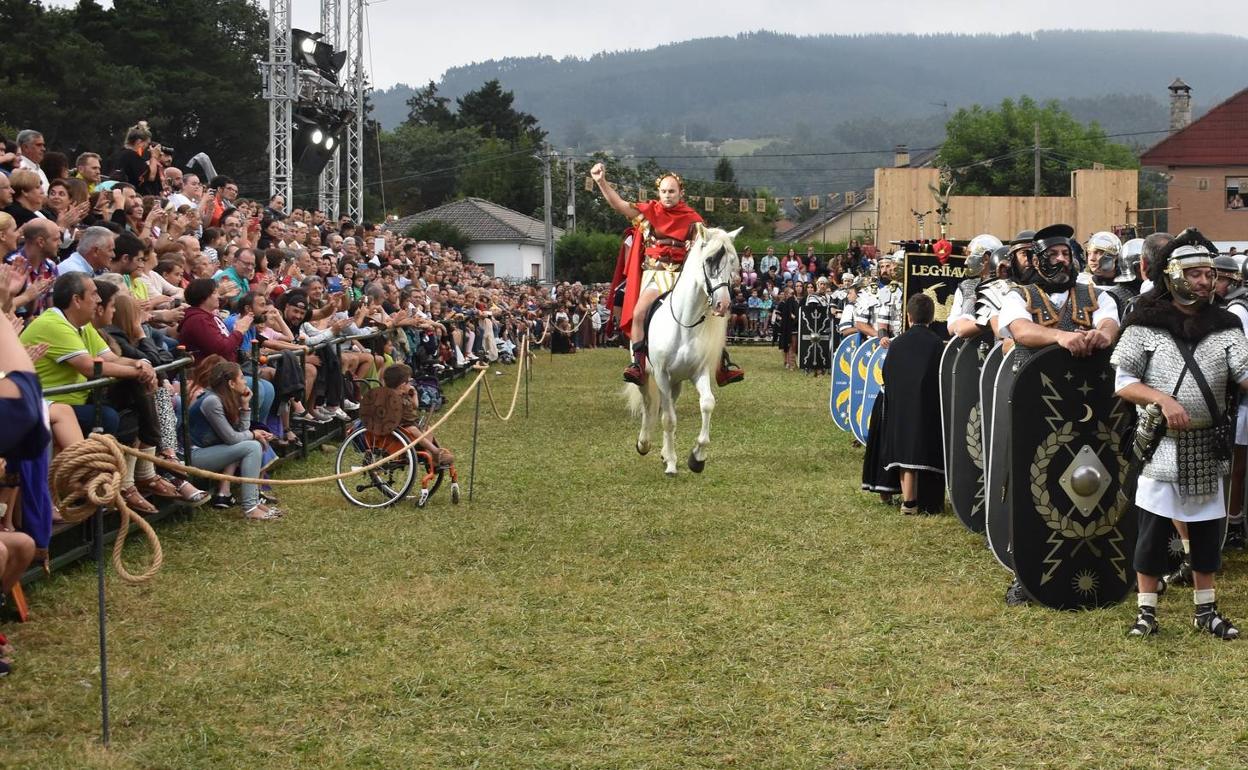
(266, 402)
(85, 413)
(246, 453)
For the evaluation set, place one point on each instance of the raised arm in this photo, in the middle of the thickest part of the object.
(599, 174)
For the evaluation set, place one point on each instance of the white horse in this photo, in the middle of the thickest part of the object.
(686, 340)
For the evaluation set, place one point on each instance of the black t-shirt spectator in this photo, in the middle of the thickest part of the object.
(133, 168)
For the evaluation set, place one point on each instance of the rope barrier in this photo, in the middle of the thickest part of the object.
(523, 358)
(87, 476)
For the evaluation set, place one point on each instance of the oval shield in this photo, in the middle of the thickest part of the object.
(858, 388)
(842, 377)
(872, 389)
(1071, 522)
(997, 505)
(964, 470)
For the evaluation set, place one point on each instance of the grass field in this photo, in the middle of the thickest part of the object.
(585, 611)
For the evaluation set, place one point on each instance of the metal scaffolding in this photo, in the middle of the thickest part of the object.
(355, 83)
(328, 194)
(280, 88)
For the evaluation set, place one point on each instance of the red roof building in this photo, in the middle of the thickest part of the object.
(1207, 162)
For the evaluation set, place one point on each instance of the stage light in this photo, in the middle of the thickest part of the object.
(316, 133)
(310, 53)
(317, 136)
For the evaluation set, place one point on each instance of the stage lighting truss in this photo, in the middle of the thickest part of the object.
(309, 53)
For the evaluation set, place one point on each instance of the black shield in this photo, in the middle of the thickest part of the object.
(997, 419)
(1072, 528)
(814, 337)
(964, 469)
(946, 396)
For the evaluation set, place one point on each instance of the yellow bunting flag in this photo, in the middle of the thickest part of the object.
(743, 206)
(589, 184)
(814, 202)
(760, 205)
(710, 204)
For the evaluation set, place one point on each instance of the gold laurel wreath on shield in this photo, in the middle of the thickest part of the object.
(1054, 518)
(974, 441)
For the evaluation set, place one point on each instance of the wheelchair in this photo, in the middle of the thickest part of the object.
(392, 482)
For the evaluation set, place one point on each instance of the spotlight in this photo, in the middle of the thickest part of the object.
(316, 134)
(310, 53)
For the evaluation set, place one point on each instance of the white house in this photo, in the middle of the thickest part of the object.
(506, 243)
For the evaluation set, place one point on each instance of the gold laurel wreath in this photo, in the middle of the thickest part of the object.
(658, 182)
(974, 440)
(1054, 518)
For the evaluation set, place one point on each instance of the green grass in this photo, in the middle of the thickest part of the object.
(585, 611)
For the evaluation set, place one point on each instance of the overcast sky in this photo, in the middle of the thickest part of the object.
(414, 42)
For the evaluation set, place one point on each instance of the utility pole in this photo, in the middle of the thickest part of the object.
(1036, 151)
(571, 220)
(549, 255)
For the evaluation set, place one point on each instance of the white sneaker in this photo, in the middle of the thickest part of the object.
(338, 413)
(323, 415)
(350, 405)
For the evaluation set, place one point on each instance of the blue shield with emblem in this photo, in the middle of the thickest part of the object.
(858, 388)
(842, 377)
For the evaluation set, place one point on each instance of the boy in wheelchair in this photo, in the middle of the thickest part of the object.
(391, 416)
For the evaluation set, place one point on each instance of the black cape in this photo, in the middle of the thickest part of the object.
(911, 431)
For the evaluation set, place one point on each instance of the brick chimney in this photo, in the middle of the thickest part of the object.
(1180, 104)
(901, 156)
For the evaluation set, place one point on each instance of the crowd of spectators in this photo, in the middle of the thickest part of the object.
(123, 262)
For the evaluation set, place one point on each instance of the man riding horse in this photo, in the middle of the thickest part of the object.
(650, 261)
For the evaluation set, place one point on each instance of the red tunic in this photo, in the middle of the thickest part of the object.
(675, 224)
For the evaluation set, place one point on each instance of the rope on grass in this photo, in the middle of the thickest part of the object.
(523, 358)
(86, 477)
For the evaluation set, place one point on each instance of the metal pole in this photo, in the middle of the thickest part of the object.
(476, 420)
(524, 361)
(547, 199)
(1036, 151)
(571, 223)
(98, 551)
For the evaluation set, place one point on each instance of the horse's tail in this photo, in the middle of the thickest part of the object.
(633, 396)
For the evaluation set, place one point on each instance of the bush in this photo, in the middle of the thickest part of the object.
(586, 257)
(444, 233)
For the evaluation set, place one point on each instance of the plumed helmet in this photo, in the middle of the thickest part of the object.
(980, 247)
(998, 259)
(1129, 261)
(1103, 251)
(1189, 249)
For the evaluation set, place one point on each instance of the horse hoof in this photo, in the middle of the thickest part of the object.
(642, 449)
(670, 474)
(695, 464)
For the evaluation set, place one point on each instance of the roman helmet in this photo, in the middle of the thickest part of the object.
(1229, 269)
(1053, 276)
(999, 262)
(1103, 251)
(977, 251)
(1189, 249)
(1129, 261)
(1021, 246)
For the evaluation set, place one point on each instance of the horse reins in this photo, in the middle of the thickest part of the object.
(710, 292)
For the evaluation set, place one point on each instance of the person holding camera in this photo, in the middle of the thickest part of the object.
(139, 161)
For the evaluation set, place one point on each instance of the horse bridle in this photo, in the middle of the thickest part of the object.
(710, 287)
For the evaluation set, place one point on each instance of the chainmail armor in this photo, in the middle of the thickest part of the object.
(967, 288)
(1186, 458)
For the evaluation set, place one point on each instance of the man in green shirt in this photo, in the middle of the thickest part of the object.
(73, 347)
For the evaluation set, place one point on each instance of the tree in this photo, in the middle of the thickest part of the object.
(507, 174)
(426, 108)
(83, 75)
(489, 110)
(724, 172)
(991, 152)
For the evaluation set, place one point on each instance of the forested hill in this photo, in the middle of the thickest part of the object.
(766, 84)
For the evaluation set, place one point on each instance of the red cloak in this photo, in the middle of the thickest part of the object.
(674, 223)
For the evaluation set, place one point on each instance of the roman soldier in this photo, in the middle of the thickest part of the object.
(650, 262)
(1127, 284)
(1011, 266)
(961, 321)
(1178, 353)
(1103, 251)
(1229, 285)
